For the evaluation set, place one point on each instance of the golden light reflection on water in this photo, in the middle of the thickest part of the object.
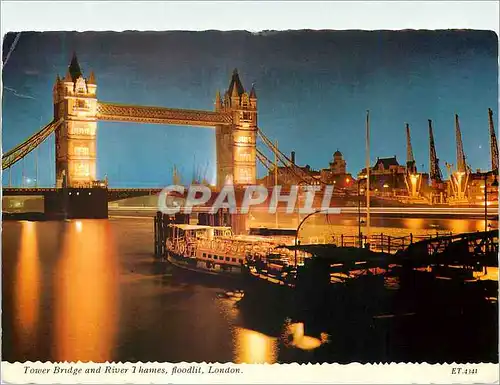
(27, 289)
(465, 225)
(86, 280)
(322, 226)
(414, 223)
(300, 340)
(252, 347)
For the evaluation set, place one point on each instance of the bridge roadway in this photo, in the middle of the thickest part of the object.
(114, 194)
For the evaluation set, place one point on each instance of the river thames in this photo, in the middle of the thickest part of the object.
(90, 290)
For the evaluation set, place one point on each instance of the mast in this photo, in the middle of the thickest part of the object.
(37, 149)
(276, 180)
(368, 175)
(36, 167)
(493, 143)
(23, 177)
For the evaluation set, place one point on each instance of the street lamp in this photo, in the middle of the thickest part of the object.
(298, 228)
(359, 213)
(385, 186)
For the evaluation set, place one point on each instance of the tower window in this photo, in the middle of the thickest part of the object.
(80, 103)
(81, 131)
(244, 175)
(82, 151)
(245, 157)
(82, 169)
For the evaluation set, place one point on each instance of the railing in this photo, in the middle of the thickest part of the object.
(383, 242)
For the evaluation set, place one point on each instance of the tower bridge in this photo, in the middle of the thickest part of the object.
(77, 112)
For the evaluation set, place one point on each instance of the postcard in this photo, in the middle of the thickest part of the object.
(241, 206)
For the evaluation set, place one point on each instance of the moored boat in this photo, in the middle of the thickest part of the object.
(215, 249)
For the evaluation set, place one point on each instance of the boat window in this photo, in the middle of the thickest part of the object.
(233, 259)
(221, 257)
(228, 259)
(210, 256)
(204, 255)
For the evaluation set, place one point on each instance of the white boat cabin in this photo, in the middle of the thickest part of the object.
(216, 245)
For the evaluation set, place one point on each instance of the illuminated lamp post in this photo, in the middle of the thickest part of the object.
(359, 212)
(385, 186)
(413, 182)
(298, 229)
(459, 175)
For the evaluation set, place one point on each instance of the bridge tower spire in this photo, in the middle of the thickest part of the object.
(75, 103)
(236, 144)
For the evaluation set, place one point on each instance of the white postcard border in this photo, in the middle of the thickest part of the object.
(209, 373)
(247, 15)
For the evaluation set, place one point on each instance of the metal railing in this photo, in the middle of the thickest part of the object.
(383, 242)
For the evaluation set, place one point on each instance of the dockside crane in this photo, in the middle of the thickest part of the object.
(410, 160)
(459, 178)
(461, 164)
(493, 143)
(435, 174)
(412, 179)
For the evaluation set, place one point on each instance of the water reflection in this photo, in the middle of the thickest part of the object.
(27, 287)
(252, 347)
(415, 223)
(465, 225)
(86, 293)
(64, 286)
(294, 334)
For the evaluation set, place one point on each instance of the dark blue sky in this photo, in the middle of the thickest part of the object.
(313, 90)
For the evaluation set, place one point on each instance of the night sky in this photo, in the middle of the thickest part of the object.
(313, 91)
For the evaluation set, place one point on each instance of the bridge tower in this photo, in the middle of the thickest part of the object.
(236, 144)
(75, 102)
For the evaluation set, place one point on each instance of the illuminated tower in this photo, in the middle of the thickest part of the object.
(236, 152)
(75, 102)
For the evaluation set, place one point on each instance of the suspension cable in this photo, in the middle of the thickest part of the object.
(263, 159)
(20, 151)
(289, 166)
(288, 163)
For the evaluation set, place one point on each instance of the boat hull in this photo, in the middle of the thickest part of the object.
(200, 267)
